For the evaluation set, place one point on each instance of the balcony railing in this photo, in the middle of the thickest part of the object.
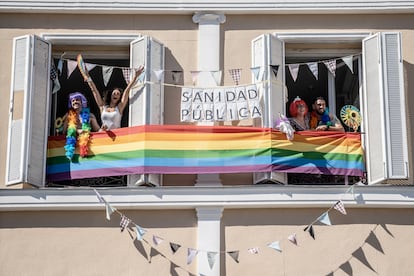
(187, 149)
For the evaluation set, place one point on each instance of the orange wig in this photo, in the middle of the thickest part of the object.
(293, 108)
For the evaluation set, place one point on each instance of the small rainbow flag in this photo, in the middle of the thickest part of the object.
(188, 149)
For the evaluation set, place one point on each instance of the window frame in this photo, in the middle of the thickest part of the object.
(24, 169)
(336, 38)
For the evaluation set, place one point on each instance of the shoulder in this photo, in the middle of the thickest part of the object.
(333, 117)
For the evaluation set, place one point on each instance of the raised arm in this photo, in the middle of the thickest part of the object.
(125, 95)
(98, 98)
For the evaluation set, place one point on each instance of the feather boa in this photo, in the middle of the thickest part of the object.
(83, 136)
(86, 131)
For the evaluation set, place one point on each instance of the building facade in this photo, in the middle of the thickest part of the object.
(236, 223)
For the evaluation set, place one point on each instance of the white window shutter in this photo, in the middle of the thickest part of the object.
(29, 111)
(395, 115)
(147, 104)
(268, 50)
(384, 108)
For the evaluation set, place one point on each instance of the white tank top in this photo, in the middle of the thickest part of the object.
(112, 119)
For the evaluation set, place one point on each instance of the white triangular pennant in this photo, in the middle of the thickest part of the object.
(275, 245)
(194, 76)
(331, 65)
(191, 253)
(211, 257)
(351, 191)
(293, 239)
(126, 72)
(217, 76)
(109, 211)
(313, 67)
(324, 218)
(157, 240)
(107, 73)
(100, 198)
(140, 232)
(72, 65)
(159, 74)
(294, 70)
(235, 75)
(90, 66)
(349, 62)
(339, 206)
(255, 71)
(124, 222)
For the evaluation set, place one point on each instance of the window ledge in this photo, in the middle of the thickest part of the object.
(258, 196)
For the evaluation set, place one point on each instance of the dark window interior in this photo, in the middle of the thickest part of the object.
(307, 87)
(75, 83)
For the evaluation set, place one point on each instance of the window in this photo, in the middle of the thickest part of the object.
(31, 101)
(380, 92)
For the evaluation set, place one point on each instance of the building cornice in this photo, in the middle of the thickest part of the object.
(240, 197)
(190, 7)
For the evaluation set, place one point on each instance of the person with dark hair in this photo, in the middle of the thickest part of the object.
(114, 102)
(298, 111)
(321, 119)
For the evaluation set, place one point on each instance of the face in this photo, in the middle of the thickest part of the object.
(116, 95)
(301, 108)
(76, 103)
(320, 106)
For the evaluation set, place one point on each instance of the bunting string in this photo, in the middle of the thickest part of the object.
(235, 74)
(126, 223)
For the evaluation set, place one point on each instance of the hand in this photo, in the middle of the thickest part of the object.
(87, 77)
(322, 128)
(103, 128)
(138, 71)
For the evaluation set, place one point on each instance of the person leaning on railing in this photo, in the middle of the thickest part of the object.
(298, 111)
(321, 119)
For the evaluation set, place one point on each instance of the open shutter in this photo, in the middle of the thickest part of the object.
(29, 109)
(386, 137)
(147, 104)
(268, 50)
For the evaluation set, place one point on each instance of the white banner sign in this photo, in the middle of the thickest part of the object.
(220, 104)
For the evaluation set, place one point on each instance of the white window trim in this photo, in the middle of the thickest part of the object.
(322, 37)
(247, 197)
(89, 39)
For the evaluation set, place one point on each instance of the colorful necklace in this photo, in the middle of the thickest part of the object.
(70, 145)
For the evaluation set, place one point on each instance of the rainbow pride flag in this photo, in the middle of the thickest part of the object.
(187, 149)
